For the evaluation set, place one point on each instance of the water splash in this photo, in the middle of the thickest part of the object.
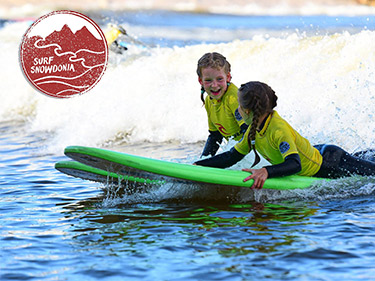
(324, 83)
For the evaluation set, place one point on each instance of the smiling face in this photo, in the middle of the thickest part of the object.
(214, 81)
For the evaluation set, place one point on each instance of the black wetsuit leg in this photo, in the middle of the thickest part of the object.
(339, 163)
(366, 154)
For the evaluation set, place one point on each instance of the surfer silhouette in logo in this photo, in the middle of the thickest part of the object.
(288, 152)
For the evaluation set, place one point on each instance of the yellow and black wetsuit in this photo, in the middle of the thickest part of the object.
(224, 120)
(290, 153)
(277, 140)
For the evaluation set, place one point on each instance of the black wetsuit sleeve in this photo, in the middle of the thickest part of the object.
(222, 160)
(212, 144)
(290, 166)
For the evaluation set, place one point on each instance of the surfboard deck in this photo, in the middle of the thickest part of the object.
(117, 163)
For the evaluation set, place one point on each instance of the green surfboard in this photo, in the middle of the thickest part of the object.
(85, 172)
(101, 163)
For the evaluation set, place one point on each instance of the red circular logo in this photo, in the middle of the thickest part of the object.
(64, 54)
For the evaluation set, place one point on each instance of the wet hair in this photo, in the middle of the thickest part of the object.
(214, 60)
(259, 98)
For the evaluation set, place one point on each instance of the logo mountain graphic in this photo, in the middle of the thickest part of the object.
(69, 41)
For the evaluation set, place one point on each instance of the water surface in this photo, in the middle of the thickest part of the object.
(56, 227)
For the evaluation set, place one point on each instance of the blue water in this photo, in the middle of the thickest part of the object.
(250, 24)
(56, 227)
(232, 22)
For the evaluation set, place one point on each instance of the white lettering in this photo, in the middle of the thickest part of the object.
(43, 60)
(52, 68)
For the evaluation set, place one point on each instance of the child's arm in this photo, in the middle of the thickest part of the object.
(222, 160)
(212, 144)
(290, 166)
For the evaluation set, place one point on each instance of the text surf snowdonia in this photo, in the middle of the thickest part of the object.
(43, 65)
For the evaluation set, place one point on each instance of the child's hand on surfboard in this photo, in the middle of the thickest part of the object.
(258, 175)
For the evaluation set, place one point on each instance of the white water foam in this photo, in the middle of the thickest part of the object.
(338, 189)
(324, 84)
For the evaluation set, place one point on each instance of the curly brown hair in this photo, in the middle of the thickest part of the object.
(214, 60)
(259, 98)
